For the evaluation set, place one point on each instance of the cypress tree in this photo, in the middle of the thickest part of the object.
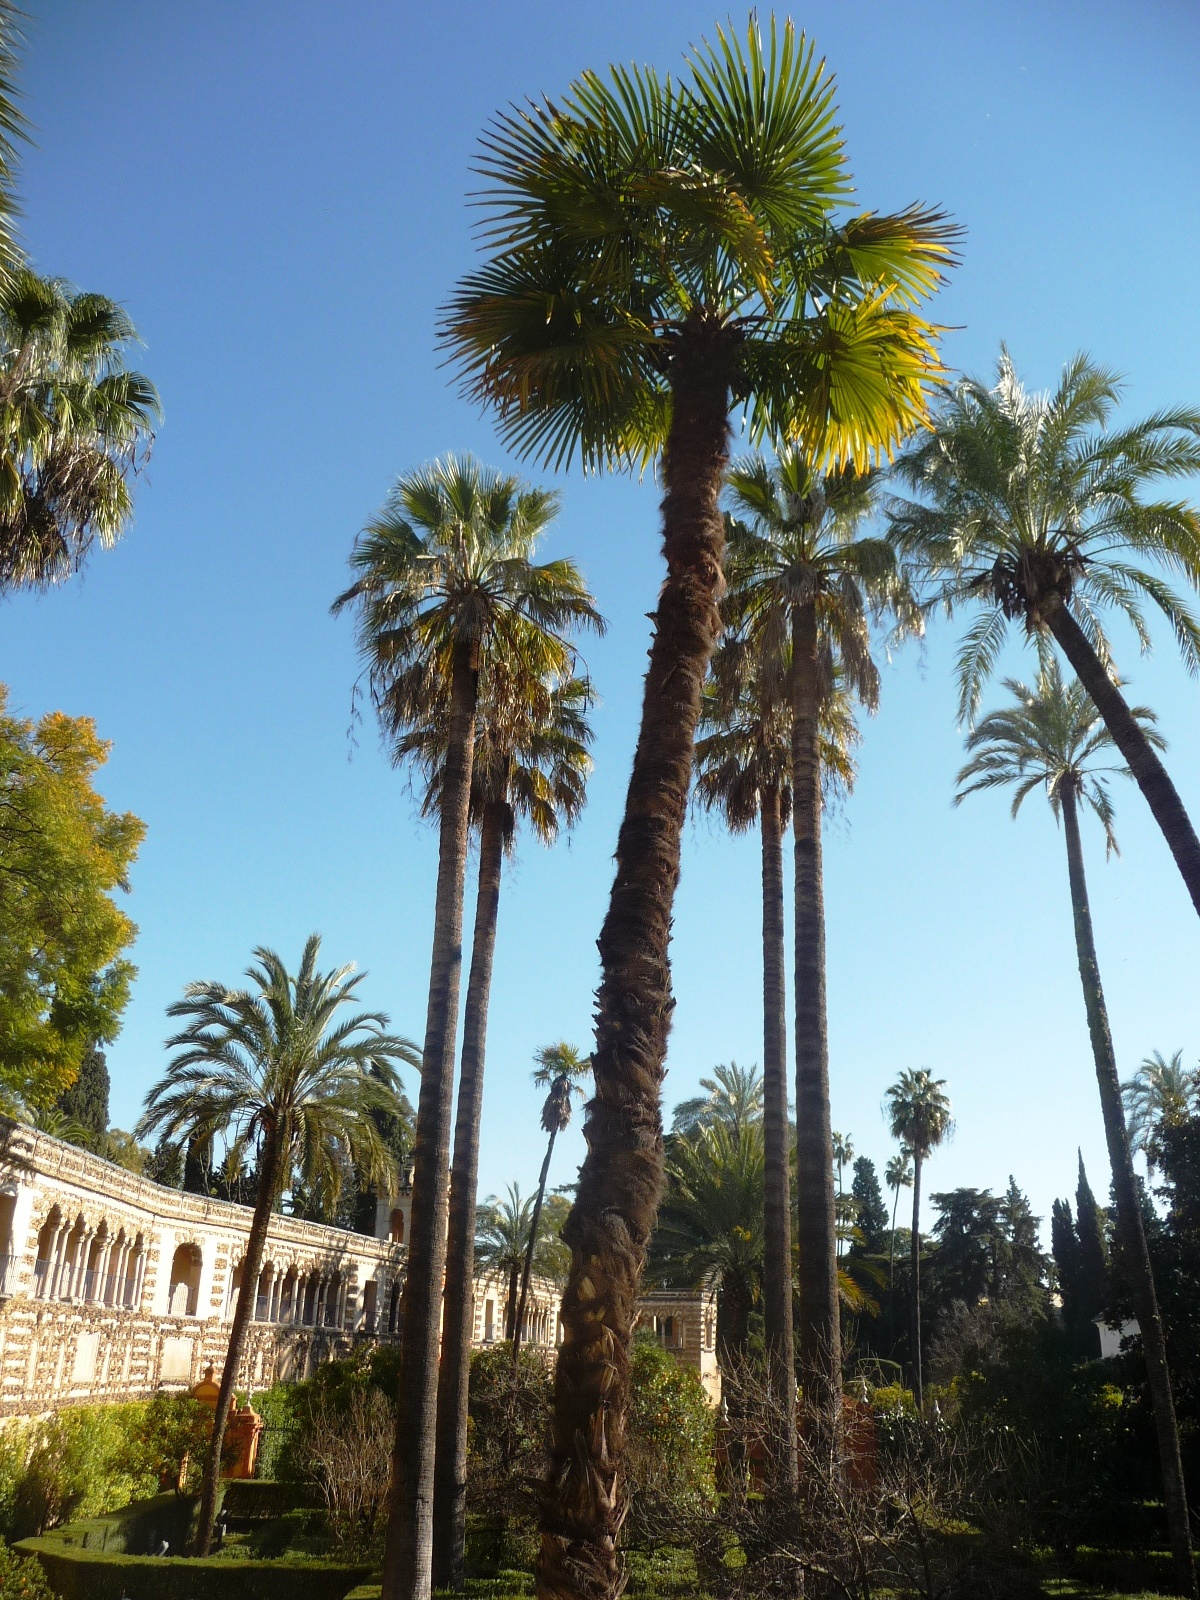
(872, 1213)
(86, 1101)
(1090, 1226)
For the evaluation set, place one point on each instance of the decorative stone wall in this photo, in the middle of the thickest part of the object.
(114, 1288)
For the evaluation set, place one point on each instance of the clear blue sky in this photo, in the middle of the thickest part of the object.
(276, 191)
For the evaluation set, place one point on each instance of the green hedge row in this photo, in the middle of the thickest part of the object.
(262, 1499)
(134, 1530)
(92, 1575)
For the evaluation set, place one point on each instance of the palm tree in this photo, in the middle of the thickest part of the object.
(445, 573)
(898, 1175)
(710, 1227)
(918, 1111)
(502, 1233)
(1053, 738)
(659, 252)
(843, 1151)
(1160, 1093)
(75, 422)
(13, 130)
(279, 1070)
(560, 1070)
(1035, 508)
(733, 1097)
(531, 763)
(802, 581)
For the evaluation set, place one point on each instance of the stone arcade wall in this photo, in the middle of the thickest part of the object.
(112, 1287)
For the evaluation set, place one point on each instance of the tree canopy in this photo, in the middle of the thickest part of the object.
(64, 977)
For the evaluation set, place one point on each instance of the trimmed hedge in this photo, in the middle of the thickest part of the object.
(263, 1499)
(134, 1530)
(79, 1574)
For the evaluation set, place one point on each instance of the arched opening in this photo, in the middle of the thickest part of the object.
(287, 1296)
(235, 1287)
(311, 1290)
(71, 1267)
(46, 1240)
(370, 1304)
(396, 1226)
(131, 1289)
(93, 1283)
(184, 1293)
(395, 1313)
(112, 1276)
(262, 1300)
(333, 1299)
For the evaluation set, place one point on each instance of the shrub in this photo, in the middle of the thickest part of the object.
(671, 1443)
(348, 1452)
(21, 1577)
(87, 1575)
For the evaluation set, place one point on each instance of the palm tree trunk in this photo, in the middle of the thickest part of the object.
(820, 1319)
(268, 1186)
(777, 1187)
(892, 1275)
(527, 1271)
(1152, 777)
(510, 1309)
(1129, 1211)
(915, 1314)
(408, 1553)
(621, 1178)
(458, 1313)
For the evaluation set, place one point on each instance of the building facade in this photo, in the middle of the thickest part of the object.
(113, 1287)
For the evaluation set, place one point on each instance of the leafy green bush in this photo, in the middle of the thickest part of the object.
(670, 1458)
(21, 1577)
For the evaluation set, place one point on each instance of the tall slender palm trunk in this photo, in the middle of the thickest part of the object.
(458, 1312)
(620, 1181)
(892, 1275)
(1129, 1212)
(777, 1187)
(820, 1320)
(408, 1553)
(915, 1311)
(527, 1270)
(1151, 776)
(268, 1188)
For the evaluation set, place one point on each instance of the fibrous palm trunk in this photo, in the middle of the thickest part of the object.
(777, 1187)
(268, 1188)
(458, 1316)
(1152, 777)
(408, 1553)
(915, 1312)
(527, 1269)
(820, 1322)
(514, 1294)
(1129, 1212)
(621, 1178)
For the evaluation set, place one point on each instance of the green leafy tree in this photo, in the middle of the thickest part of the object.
(918, 1112)
(660, 252)
(1053, 738)
(802, 583)
(445, 578)
(279, 1069)
(560, 1070)
(64, 977)
(1038, 511)
(1021, 1266)
(531, 766)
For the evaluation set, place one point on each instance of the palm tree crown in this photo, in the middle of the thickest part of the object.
(1050, 737)
(918, 1112)
(75, 427)
(447, 563)
(1160, 1093)
(1031, 503)
(278, 1062)
(732, 1099)
(561, 1069)
(636, 210)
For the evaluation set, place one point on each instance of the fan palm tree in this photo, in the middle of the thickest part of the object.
(802, 581)
(560, 1070)
(1053, 737)
(661, 251)
(733, 1097)
(918, 1111)
(13, 131)
(843, 1151)
(531, 764)
(75, 424)
(445, 573)
(1033, 507)
(1160, 1092)
(710, 1227)
(278, 1069)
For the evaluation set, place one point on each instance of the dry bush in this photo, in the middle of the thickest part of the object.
(347, 1450)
